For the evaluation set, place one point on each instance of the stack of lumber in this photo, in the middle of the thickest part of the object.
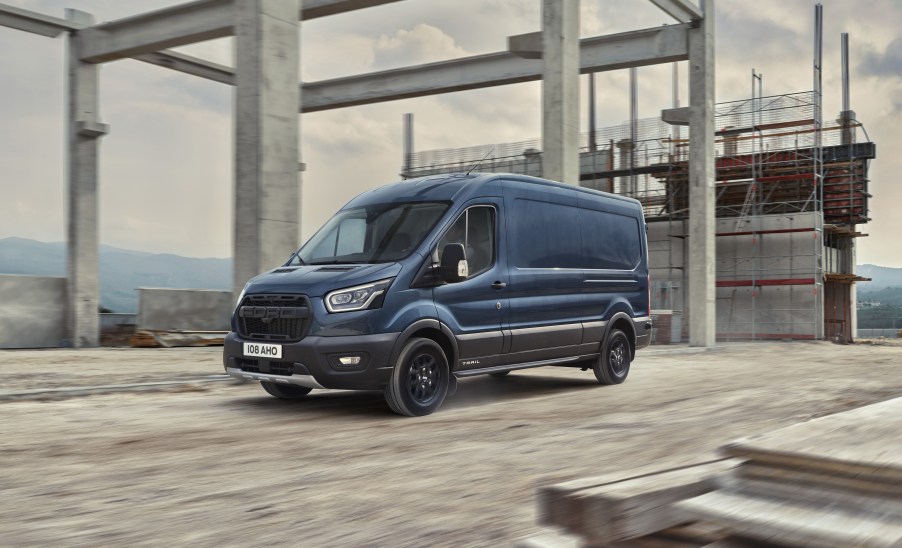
(146, 338)
(630, 509)
(831, 481)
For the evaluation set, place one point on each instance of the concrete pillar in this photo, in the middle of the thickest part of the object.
(83, 138)
(267, 125)
(702, 280)
(560, 90)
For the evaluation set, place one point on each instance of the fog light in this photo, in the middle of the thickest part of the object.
(349, 360)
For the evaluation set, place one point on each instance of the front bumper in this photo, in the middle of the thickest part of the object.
(312, 362)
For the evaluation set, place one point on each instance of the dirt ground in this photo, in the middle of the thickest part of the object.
(214, 463)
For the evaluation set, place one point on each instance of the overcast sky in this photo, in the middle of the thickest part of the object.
(166, 166)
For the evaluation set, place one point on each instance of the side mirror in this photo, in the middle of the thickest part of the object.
(454, 267)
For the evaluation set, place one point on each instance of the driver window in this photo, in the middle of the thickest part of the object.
(475, 229)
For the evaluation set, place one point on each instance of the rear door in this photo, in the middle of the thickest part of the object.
(474, 309)
(612, 238)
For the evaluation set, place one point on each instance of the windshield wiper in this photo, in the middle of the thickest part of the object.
(296, 256)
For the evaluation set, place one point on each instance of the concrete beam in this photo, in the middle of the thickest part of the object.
(45, 25)
(187, 23)
(683, 11)
(678, 116)
(664, 44)
(526, 46)
(312, 9)
(560, 91)
(702, 222)
(177, 25)
(190, 65)
(29, 21)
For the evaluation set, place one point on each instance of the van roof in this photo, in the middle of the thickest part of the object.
(455, 187)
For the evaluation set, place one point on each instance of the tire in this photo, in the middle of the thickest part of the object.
(420, 379)
(500, 374)
(285, 391)
(613, 365)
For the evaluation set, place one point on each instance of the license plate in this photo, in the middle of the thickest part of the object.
(263, 350)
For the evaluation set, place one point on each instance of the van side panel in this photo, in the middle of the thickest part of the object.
(576, 258)
(545, 277)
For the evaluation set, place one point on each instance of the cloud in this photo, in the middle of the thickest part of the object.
(421, 44)
(888, 63)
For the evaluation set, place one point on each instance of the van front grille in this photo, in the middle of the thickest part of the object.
(275, 318)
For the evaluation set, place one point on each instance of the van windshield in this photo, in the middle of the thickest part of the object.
(379, 233)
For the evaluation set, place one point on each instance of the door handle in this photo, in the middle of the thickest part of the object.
(498, 285)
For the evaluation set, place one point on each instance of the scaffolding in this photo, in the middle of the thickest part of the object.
(789, 192)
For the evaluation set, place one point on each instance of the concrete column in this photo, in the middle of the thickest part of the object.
(83, 132)
(267, 125)
(702, 280)
(560, 90)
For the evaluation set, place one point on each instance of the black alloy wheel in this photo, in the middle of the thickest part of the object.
(420, 380)
(613, 365)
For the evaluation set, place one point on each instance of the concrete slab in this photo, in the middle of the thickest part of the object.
(32, 311)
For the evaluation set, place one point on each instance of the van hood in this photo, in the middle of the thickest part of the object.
(317, 280)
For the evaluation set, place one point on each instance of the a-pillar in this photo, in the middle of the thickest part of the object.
(560, 90)
(702, 280)
(267, 125)
(83, 139)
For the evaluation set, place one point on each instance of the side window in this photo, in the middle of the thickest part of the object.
(547, 235)
(609, 240)
(475, 229)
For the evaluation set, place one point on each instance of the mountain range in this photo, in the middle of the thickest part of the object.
(121, 270)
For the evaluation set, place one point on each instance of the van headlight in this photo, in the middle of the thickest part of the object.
(241, 295)
(357, 298)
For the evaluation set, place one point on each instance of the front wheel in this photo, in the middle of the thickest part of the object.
(613, 365)
(420, 380)
(285, 391)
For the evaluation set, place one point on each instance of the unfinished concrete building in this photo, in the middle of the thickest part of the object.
(268, 98)
(791, 191)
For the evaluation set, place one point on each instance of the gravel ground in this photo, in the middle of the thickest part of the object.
(222, 464)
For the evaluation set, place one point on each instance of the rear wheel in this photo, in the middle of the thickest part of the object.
(420, 380)
(285, 391)
(613, 365)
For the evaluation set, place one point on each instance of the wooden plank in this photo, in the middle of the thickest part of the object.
(554, 502)
(794, 524)
(795, 478)
(886, 503)
(636, 507)
(864, 443)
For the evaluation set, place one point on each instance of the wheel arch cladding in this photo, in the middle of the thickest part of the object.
(439, 338)
(625, 324)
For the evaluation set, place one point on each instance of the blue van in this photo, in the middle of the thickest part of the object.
(414, 285)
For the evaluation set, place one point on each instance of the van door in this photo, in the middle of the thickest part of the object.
(474, 309)
(544, 258)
